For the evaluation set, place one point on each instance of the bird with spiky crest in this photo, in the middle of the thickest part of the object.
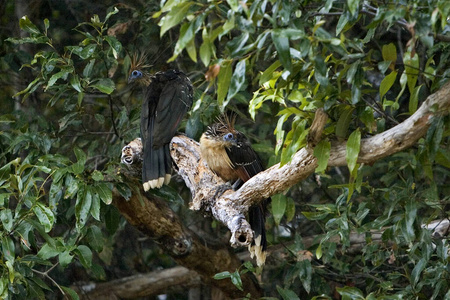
(168, 96)
(229, 154)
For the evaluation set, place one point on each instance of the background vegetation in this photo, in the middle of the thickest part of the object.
(67, 112)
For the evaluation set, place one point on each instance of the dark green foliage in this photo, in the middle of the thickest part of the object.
(67, 112)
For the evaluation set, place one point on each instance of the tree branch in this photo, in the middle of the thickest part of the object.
(231, 205)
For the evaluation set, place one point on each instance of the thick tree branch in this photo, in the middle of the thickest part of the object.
(231, 205)
(154, 218)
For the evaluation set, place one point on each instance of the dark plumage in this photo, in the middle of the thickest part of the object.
(230, 155)
(167, 98)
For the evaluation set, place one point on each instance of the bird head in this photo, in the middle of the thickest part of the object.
(138, 73)
(223, 131)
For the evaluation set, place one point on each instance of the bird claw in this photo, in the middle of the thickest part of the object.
(222, 189)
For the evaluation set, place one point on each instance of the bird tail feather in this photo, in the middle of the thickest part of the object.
(259, 245)
(156, 167)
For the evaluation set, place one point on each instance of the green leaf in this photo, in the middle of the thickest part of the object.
(47, 251)
(322, 153)
(44, 215)
(73, 295)
(352, 149)
(94, 237)
(353, 6)
(104, 85)
(115, 45)
(268, 73)
(281, 42)
(7, 219)
(387, 83)
(411, 69)
(389, 53)
(234, 4)
(78, 167)
(418, 268)
(87, 72)
(75, 83)
(104, 190)
(237, 81)
(97, 175)
(174, 16)
(278, 207)
(8, 249)
(287, 294)
(223, 81)
(343, 20)
(414, 100)
(350, 292)
(305, 274)
(65, 258)
(290, 209)
(434, 137)
(26, 25)
(344, 122)
(236, 280)
(85, 256)
(62, 74)
(205, 49)
(95, 207)
(222, 275)
(82, 206)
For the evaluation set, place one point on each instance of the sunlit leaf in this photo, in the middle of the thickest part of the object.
(387, 83)
(223, 81)
(174, 16)
(26, 25)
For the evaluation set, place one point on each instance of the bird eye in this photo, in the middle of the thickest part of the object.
(136, 73)
(228, 137)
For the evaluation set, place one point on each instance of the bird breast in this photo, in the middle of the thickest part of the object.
(215, 155)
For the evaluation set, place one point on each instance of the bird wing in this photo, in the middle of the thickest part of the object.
(246, 161)
(170, 96)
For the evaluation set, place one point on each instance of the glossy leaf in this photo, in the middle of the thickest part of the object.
(174, 16)
(237, 80)
(45, 216)
(223, 81)
(104, 190)
(85, 255)
(7, 219)
(26, 25)
(352, 149)
(322, 153)
(281, 43)
(278, 207)
(387, 83)
(104, 85)
(287, 294)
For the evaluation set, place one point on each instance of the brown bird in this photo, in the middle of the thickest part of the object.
(167, 98)
(230, 155)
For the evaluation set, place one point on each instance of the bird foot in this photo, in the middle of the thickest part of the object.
(222, 189)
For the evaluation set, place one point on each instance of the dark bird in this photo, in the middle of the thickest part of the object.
(167, 98)
(230, 155)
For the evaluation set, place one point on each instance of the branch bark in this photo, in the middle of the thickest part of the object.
(231, 205)
(158, 221)
(153, 217)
